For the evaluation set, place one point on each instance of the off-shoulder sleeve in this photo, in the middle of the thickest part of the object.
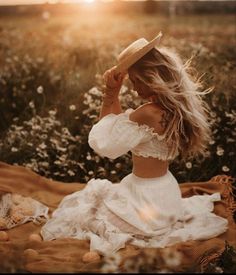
(115, 135)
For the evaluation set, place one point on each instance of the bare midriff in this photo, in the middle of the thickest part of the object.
(149, 167)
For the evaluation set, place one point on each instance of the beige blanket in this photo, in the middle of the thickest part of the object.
(65, 255)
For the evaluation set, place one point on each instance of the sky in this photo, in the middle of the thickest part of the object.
(15, 2)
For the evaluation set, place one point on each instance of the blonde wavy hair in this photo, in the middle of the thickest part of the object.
(188, 131)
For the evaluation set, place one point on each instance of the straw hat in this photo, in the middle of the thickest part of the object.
(134, 52)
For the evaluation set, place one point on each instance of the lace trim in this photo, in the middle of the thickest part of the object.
(154, 155)
(151, 131)
(144, 127)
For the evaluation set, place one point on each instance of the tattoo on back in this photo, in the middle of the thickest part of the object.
(165, 118)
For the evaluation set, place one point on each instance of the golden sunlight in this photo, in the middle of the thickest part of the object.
(30, 2)
(80, 1)
(148, 213)
(88, 1)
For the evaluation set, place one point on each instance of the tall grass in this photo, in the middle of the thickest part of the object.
(50, 77)
(50, 96)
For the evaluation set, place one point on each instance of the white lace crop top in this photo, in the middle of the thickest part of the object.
(115, 135)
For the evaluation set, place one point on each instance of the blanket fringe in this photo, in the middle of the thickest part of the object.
(229, 197)
(207, 259)
(229, 192)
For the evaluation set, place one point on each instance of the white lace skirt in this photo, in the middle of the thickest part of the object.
(148, 212)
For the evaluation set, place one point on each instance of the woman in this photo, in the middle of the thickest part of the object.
(145, 208)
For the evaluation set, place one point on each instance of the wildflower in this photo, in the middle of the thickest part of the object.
(65, 131)
(39, 59)
(225, 168)
(40, 90)
(213, 114)
(54, 141)
(229, 115)
(212, 55)
(52, 112)
(8, 60)
(230, 140)
(44, 136)
(70, 172)
(63, 157)
(14, 149)
(219, 151)
(16, 58)
(94, 91)
(42, 154)
(88, 157)
(72, 107)
(56, 173)
(219, 269)
(171, 257)
(112, 263)
(188, 165)
(62, 149)
(31, 104)
(29, 165)
(44, 164)
(36, 127)
(97, 159)
(24, 133)
(42, 145)
(118, 165)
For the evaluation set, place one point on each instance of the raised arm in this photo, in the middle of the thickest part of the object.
(113, 83)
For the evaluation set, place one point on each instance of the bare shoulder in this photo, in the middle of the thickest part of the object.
(152, 115)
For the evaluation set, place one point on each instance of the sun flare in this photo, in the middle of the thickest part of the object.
(83, 1)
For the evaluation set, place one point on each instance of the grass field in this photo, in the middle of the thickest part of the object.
(50, 78)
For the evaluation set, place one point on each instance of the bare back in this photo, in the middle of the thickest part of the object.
(155, 117)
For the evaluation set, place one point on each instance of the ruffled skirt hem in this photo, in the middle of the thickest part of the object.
(146, 213)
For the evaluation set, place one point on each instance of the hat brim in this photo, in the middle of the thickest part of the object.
(130, 60)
